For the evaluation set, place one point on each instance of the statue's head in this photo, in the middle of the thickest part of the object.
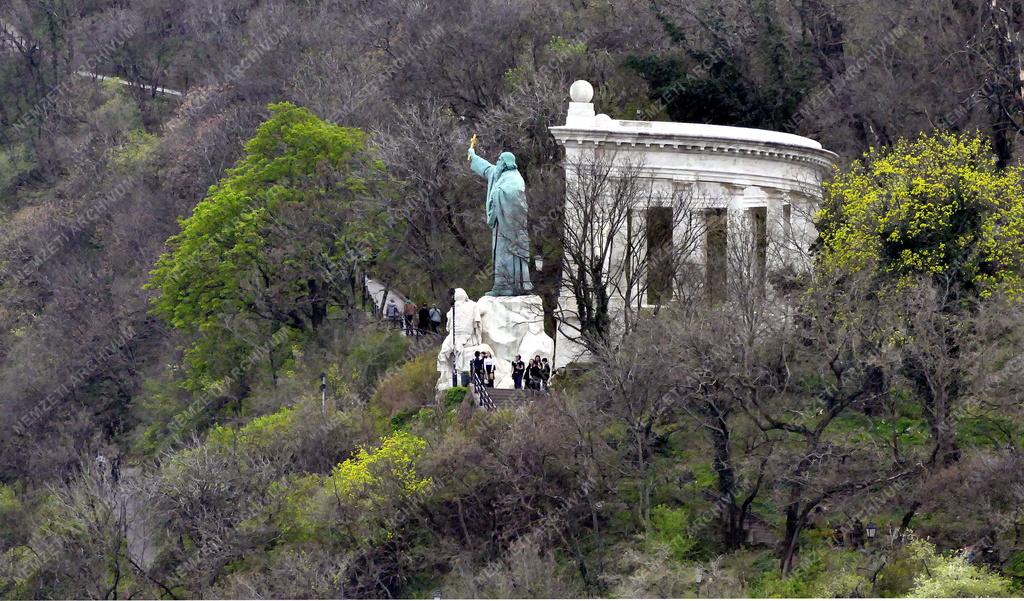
(506, 162)
(460, 295)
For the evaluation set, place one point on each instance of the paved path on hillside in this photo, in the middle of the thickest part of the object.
(9, 36)
(139, 529)
(376, 289)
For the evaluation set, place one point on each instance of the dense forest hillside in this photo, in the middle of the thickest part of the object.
(193, 191)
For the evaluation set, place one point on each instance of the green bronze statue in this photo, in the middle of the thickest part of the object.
(506, 216)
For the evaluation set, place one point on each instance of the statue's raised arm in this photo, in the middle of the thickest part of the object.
(480, 166)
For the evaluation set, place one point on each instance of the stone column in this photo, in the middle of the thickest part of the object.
(738, 235)
(778, 237)
(804, 233)
(689, 240)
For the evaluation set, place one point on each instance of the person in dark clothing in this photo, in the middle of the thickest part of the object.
(535, 373)
(518, 370)
(476, 366)
(423, 318)
(545, 372)
(489, 369)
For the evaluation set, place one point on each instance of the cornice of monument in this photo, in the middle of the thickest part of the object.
(696, 137)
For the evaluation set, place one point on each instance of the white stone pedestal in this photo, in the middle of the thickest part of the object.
(508, 326)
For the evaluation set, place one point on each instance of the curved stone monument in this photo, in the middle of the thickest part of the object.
(762, 183)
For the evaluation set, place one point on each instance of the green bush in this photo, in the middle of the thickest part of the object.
(408, 387)
(896, 578)
(137, 152)
(670, 526)
(822, 572)
(1015, 567)
(375, 352)
(260, 434)
(454, 396)
(352, 504)
(12, 517)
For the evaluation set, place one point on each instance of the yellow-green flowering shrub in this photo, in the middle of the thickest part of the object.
(295, 510)
(951, 576)
(260, 434)
(935, 206)
(358, 501)
(669, 526)
(393, 462)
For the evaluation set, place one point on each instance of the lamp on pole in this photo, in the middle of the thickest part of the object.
(538, 265)
(872, 529)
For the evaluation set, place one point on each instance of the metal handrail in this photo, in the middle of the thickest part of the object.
(481, 390)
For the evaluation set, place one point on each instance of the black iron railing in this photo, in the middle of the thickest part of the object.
(481, 391)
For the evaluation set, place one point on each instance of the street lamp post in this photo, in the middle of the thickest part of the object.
(323, 394)
(455, 353)
(872, 529)
(538, 264)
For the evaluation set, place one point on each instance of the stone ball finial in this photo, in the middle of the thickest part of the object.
(581, 91)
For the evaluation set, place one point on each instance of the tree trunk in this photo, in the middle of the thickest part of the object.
(318, 303)
(909, 515)
(731, 515)
(937, 412)
(1000, 127)
(790, 542)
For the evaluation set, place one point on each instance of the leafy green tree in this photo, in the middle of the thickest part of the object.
(937, 220)
(277, 244)
(937, 206)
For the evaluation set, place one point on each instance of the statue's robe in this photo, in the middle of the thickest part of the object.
(507, 218)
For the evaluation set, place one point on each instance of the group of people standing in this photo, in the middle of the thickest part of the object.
(535, 375)
(414, 319)
(482, 365)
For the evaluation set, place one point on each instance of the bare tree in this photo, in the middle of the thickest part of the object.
(634, 387)
(823, 365)
(624, 242)
(713, 357)
(997, 51)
